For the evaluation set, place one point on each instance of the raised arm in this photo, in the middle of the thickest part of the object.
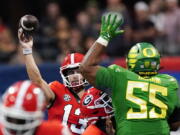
(31, 67)
(109, 29)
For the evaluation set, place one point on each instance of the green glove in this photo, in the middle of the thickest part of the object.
(109, 26)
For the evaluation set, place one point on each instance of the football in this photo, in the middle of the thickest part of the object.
(29, 23)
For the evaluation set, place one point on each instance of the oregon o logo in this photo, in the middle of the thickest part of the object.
(149, 52)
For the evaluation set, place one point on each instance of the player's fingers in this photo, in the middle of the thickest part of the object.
(20, 31)
(103, 20)
(119, 32)
(114, 20)
(116, 25)
(109, 18)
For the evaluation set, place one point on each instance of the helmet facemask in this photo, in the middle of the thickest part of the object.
(19, 122)
(104, 101)
(72, 78)
(71, 62)
(96, 105)
(20, 126)
(22, 108)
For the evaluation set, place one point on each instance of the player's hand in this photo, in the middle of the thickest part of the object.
(109, 127)
(25, 41)
(110, 26)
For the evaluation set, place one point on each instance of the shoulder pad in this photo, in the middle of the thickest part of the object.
(171, 79)
(56, 87)
(56, 83)
(117, 68)
(92, 90)
(114, 66)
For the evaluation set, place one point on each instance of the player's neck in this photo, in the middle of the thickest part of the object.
(80, 94)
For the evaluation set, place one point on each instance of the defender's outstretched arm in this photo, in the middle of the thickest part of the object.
(109, 29)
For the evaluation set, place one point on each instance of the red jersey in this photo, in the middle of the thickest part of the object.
(52, 128)
(66, 109)
(93, 130)
(47, 128)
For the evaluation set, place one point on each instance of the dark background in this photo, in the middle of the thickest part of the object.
(12, 10)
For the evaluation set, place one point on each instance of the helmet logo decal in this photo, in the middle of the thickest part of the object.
(149, 52)
(147, 64)
(67, 97)
(87, 99)
(154, 64)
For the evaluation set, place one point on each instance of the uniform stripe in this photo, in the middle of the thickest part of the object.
(72, 58)
(21, 94)
(40, 98)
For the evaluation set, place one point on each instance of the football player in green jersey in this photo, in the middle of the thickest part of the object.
(143, 99)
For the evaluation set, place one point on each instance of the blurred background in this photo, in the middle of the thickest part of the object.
(68, 26)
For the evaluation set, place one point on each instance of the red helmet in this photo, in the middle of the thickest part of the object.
(71, 61)
(95, 104)
(22, 107)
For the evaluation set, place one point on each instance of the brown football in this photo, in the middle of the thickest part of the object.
(29, 23)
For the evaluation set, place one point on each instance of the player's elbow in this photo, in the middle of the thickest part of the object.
(50, 98)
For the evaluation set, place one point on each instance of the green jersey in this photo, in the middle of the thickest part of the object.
(142, 105)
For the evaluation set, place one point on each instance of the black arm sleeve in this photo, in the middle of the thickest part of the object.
(174, 118)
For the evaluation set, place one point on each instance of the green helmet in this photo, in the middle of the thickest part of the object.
(143, 59)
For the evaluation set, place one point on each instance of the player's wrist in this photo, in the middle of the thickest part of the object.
(26, 50)
(103, 41)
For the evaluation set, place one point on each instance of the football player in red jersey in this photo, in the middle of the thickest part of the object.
(22, 112)
(63, 99)
(66, 105)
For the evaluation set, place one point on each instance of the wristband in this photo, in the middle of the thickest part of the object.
(27, 51)
(102, 41)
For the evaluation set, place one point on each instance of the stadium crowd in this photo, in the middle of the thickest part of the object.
(157, 22)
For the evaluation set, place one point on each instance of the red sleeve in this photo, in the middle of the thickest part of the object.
(52, 128)
(56, 86)
(93, 130)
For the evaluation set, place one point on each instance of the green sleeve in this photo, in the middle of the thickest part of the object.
(178, 102)
(175, 86)
(106, 77)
